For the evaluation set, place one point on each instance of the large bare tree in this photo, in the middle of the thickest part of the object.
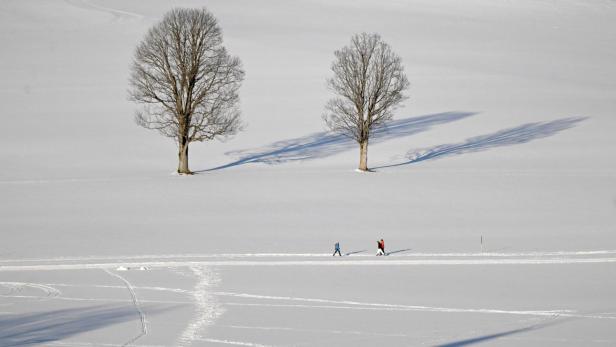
(185, 81)
(369, 81)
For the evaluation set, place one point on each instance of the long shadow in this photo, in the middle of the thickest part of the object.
(325, 144)
(485, 338)
(398, 251)
(44, 327)
(355, 252)
(507, 137)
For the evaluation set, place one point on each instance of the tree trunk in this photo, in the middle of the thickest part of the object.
(363, 155)
(183, 158)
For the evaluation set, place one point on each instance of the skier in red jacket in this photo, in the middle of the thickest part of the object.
(381, 247)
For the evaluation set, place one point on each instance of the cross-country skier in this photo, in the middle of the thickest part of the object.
(380, 245)
(337, 249)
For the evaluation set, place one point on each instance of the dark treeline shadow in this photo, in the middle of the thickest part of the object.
(507, 137)
(325, 144)
(45, 327)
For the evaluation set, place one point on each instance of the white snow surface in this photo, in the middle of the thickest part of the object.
(494, 187)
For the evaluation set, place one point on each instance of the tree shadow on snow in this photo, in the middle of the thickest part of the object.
(481, 339)
(507, 137)
(45, 327)
(325, 144)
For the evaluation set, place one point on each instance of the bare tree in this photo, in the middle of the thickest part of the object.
(369, 81)
(186, 81)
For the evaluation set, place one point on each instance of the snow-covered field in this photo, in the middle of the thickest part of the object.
(508, 137)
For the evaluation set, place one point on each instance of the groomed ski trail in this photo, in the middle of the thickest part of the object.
(231, 256)
(372, 262)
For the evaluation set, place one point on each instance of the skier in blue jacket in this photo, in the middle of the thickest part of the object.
(337, 249)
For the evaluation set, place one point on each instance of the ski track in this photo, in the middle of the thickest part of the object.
(316, 331)
(235, 343)
(207, 309)
(17, 287)
(394, 307)
(208, 306)
(426, 309)
(104, 300)
(142, 318)
(88, 5)
(91, 344)
(384, 261)
(75, 179)
(160, 289)
(545, 340)
(358, 306)
(316, 255)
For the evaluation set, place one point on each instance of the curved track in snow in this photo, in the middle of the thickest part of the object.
(142, 318)
(15, 288)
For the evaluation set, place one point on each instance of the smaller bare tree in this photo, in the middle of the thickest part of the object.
(186, 81)
(369, 81)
